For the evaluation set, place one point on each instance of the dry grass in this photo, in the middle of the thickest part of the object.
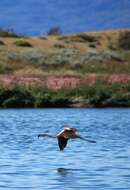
(93, 52)
(105, 39)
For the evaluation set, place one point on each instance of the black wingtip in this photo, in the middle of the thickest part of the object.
(90, 141)
(61, 149)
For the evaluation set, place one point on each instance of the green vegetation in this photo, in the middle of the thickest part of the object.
(81, 37)
(85, 37)
(16, 97)
(22, 43)
(99, 95)
(59, 45)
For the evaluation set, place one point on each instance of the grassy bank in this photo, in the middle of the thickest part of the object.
(98, 95)
(79, 70)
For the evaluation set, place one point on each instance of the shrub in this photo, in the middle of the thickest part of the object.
(18, 97)
(5, 68)
(124, 40)
(59, 45)
(86, 37)
(60, 100)
(63, 37)
(93, 45)
(56, 31)
(5, 93)
(1, 42)
(7, 33)
(22, 43)
(118, 100)
(43, 37)
(93, 56)
(43, 100)
(28, 56)
(42, 96)
(99, 98)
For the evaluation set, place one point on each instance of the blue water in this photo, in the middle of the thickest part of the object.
(27, 162)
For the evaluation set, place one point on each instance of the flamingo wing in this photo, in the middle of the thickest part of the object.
(62, 142)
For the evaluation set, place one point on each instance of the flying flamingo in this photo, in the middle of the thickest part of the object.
(66, 134)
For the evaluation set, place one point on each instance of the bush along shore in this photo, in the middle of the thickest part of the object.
(97, 95)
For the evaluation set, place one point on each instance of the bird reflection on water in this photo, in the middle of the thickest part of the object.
(69, 178)
(68, 170)
(63, 171)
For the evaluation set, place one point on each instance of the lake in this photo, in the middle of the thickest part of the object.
(27, 162)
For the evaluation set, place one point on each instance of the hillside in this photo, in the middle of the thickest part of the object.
(83, 54)
(67, 61)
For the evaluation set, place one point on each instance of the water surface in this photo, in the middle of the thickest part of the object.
(27, 162)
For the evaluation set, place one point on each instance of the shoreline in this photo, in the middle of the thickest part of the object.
(98, 95)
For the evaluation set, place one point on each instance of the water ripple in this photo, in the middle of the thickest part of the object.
(27, 162)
